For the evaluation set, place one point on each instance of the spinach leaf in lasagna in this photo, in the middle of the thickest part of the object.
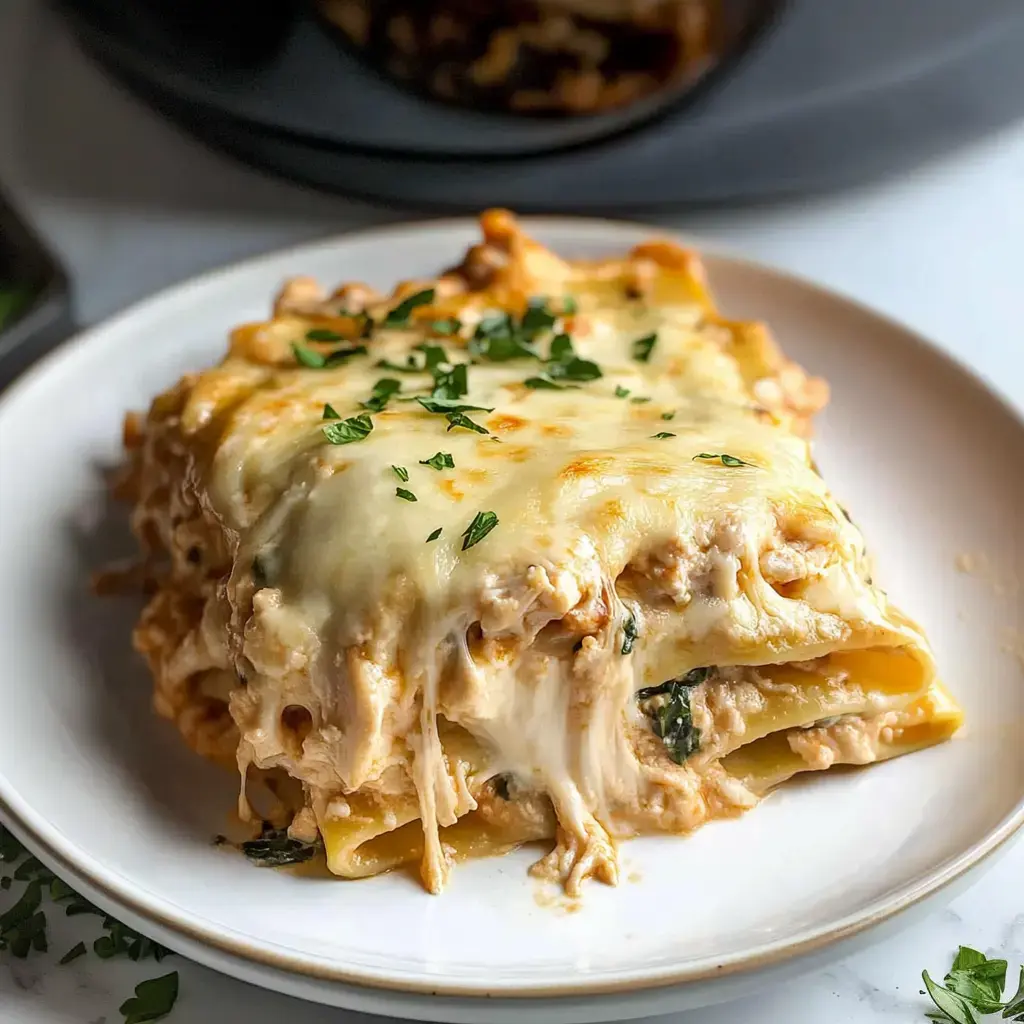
(668, 707)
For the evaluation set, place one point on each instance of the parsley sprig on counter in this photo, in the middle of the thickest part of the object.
(973, 986)
(23, 931)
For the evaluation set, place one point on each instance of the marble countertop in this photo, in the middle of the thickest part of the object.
(131, 206)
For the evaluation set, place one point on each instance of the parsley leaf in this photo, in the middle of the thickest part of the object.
(314, 360)
(402, 473)
(974, 985)
(726, 460)
(439, 461)
(323, 334)
(450, 405)
(383, 391)
(954, 1007)
(668, 415)
(545, 382)
(643, 347)
(537, 317)
(561, 349)
(621, 392)
(450, 325)
(330, 413)
(433, 356)
(355, 428)
(482, 524)
(457, 419)
(73, 953)
(153, 1000)
(1015, 1007)
(662, 435)
(575, 369)
(451, 384)
(406, 494)
(399, 316)
(570, 305)
(434, 535)
(498, 339)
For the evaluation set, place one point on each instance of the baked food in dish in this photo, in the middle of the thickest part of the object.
(532, 551)
(552, 57)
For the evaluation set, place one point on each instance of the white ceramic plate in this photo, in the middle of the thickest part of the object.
(930, 464)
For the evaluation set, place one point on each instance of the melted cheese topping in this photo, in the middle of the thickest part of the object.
(307, 623)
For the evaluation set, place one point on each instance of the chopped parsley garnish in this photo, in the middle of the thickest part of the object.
(355, 428)
(482, 524)
(561, 349)
(399, 316)
(383, 391)
(439, 461)
(668, 707)
(434, 535)
(451, 384)
(406, 494)
(974, 985)
(433, 356)
(23, 926)
(537, 317)
(402, 473)
(446, 327)
(275, 848)
(498, 338)
(330, 413)
(569, 305)
(450, 405)
(643, 347)
(314, 360)
(641, 399)
(324, 334)
(621, 392)
(543, 381)
(153, 1000)
(630, 633)
(726, 460)
(564, 364)
(668, 415)
(458, 419)
(662, 435)
(73, 953)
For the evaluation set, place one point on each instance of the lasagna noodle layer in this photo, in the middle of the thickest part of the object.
(657, 511)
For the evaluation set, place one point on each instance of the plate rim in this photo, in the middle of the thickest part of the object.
(53, 848)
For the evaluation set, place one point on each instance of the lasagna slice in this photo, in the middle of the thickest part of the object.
(535, 550)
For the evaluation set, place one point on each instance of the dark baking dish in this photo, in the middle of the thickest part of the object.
(35, 300)
(548, 57)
